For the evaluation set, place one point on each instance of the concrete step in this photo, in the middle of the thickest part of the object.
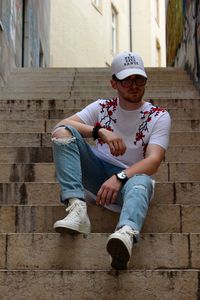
(14, 114)
(91, 78)
(184, 114)
(25, 139)
(37, 95)
(104, 83)
(23, 126)
(42, 125)
(44, 251)
(34, 96)
(44, 172)
(28, 72)
(91, 70)
(71, 103)
(100, 284)
(63, 83)
(185, 138)
(94, 70)
(161, 218)
(177, 125)
(90, 88)
(25, 154)
(149, 94)
(184, 125)
(178, 103)
(189, 138)
(96, 73)
(179, 153)
(175, 113)
(39, 172)
(46, 193)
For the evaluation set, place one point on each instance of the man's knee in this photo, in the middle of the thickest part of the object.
(143, 178)
(140, 181)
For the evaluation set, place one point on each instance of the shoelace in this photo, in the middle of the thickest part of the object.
(130, 232)
(73, 209)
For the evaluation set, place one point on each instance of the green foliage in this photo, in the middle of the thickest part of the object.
(175, 21)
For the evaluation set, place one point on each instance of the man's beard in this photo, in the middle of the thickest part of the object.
(133, 99)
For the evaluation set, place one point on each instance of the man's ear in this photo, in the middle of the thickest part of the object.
(113, 84)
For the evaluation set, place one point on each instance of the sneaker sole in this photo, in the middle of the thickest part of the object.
(71, 230)
(64, 230)
(119, 253)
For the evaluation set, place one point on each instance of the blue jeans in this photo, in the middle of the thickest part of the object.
(78, 168)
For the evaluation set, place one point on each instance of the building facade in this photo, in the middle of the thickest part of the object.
(24, 34)
(149, 31)
(89, 33)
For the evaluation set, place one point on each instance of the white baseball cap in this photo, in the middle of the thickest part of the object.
(126, 64)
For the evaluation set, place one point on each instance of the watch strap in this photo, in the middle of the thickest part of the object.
(122, 180)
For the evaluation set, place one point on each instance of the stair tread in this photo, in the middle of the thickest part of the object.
(99, 284)
(165, 262)
(47, 251)
(161, 218)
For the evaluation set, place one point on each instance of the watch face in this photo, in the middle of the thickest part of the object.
(122, 175)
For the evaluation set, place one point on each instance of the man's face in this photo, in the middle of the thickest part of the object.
(131, 89)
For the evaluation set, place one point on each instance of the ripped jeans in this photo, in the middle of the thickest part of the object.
(78, 168)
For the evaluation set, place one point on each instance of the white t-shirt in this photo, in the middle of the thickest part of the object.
(147, 125)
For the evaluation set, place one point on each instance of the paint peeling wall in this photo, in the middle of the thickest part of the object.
(183, 36)
(39, 29)
(24, 34)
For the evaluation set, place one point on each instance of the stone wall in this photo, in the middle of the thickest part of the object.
(183, 36)
(24, 34)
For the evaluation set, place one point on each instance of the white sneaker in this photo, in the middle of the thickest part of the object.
(77, 219)
(119, 246)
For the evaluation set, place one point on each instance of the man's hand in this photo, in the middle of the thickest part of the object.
(115, 143)
(107, 193)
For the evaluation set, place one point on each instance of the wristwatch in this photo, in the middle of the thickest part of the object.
(122, 177)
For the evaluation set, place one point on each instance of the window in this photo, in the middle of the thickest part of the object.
(114, 31)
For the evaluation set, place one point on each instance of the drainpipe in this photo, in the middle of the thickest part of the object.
(130, 23)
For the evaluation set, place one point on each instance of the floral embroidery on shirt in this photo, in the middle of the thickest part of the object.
(108, 107)
(146, 118)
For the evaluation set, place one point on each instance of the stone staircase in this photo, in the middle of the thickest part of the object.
(35, 262)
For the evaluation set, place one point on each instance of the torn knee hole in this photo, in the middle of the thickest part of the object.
(139, 187)
(63, 140)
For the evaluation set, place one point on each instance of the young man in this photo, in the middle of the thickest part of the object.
(131, 138)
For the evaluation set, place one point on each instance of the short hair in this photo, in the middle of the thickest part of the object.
(114, 77)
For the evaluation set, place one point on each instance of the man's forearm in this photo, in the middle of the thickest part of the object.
(150, 164)
(83, 129)
(147, 166)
